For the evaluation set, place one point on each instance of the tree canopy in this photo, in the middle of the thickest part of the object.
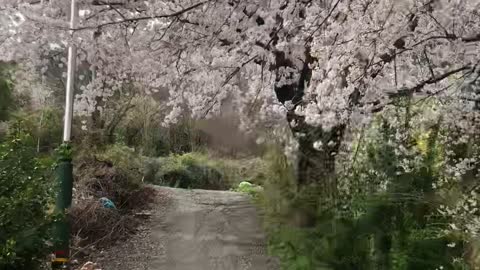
(322, 60)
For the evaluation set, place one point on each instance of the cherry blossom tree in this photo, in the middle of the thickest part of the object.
(320, 65)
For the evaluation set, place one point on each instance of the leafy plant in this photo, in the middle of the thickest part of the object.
(26, 191)
(125, 159)
(185, 171)
(64, 151)
(44, 126)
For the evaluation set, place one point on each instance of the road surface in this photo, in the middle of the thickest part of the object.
(195, 230)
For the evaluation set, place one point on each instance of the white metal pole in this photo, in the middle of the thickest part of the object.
(72, 56)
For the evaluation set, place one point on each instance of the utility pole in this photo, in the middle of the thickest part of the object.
(64, 168)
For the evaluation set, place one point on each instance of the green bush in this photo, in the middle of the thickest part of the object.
(26, 193)
(191, 170)
(125, 159)
(45, 127)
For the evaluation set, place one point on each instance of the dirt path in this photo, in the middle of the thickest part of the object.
(195, 230)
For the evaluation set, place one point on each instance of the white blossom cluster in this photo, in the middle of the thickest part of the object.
(204, 53)
(466, 215)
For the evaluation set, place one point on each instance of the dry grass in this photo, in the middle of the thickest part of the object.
(92, 224)
(96, 179)
(95, 227)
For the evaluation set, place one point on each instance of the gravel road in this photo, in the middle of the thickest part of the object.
(195, 230)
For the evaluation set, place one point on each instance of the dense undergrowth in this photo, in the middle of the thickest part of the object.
(381, 231)
(188, 170)
(26, 194)
(393, 209)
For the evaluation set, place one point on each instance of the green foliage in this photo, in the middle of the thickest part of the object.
(26, 191)
(384, 217)
(122, 156)
(126, 161)
(280, 190)
(6, 97)
(184, 137)
(64, 151)
(150, 141)
(198, 170)
(49, 128)
(45, 127)
(142, 129)
(191, 170)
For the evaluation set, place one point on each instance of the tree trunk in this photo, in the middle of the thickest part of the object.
(317, 153)
(316, 174)
(316, 166)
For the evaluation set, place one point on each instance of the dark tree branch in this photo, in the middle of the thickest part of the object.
(231, 75)
(227, 80)
(109, 3)
(137, 19)
(417, 88)
(166, 30)
(117, 11)
(310, 37)
(378, 107)
(473, 38)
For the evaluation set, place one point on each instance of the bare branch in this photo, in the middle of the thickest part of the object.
(474, 38)
(137, 19)
(417, 88)
(229, 77)
(310, 37)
